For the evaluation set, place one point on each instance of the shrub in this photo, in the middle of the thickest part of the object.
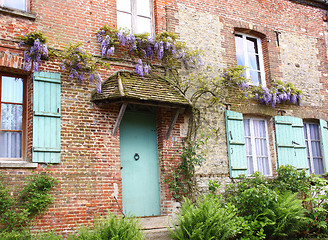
(208, 219)
(35, 196)
(112, 227)
(287, 216)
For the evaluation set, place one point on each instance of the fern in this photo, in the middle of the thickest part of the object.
(207, 220)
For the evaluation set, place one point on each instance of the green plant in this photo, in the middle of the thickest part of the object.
(288, 216)
(111, 227)
(213, 186)
(36, 49)
(317, 205)
(80, 63)
(208, 219)
(35, 195)
(291, 179)
(181, 180)
(33, 199)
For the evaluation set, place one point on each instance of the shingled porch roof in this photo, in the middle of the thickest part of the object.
(128, 86)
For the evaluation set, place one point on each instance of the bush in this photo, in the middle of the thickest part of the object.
(112, 227)
(208, 219)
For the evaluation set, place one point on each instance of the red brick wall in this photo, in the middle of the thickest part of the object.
(90, 155)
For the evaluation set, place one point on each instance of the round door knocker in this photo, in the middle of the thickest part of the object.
(136, 156)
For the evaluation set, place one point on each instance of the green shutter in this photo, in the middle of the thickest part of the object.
(291, 148)
(46, 117)
(236, 143)
(324, 138)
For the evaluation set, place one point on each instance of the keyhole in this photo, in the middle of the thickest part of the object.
(136, 156)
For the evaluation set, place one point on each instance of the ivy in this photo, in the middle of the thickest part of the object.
(32, 200)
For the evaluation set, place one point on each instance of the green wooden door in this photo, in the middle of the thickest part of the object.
(139, 164)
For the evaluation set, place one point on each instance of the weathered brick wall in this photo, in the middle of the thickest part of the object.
(89, 178)
(294, 50)
(89, 173)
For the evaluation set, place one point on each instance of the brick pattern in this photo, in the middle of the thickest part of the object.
(89, 173)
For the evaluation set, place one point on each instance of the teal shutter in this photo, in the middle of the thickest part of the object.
(324, 139)
(290, 139)
(236, 143)
(46, 117)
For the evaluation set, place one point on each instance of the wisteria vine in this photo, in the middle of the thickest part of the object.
(278, 93)
(79, 63)
(165, 48)
(37, 50)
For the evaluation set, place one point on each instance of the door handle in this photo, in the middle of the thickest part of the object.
(136, 156)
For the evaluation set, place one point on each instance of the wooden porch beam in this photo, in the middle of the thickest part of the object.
(174, 120)
(119, 118)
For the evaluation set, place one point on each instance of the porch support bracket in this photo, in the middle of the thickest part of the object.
(174, 120)
(119, 118)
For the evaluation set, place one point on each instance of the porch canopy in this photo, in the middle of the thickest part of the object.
(125, 87)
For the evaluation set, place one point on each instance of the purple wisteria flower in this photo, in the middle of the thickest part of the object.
(139, 68)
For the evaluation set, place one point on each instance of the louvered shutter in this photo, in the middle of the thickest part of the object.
(291, 148)
(46, 117)
(236, 143)
(324, 138)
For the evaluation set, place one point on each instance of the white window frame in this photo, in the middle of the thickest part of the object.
(308, 140)
(27, 5)
(260, 54)
(252, 136)
(134, 16)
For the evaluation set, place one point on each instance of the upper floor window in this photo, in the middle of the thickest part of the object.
(257, 148)
(12, 110)
(16, 4)
(249, 54)
(313, 147)
(135, 15)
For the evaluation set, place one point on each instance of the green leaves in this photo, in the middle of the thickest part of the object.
(33, 199)
(206, 220)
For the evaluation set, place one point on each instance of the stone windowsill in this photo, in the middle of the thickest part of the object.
(17, 164)
(16, 12)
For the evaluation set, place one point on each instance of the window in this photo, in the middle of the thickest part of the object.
(16, 4)
(248, 145)
(135, 15)
(249, 54)
(313, 147)
(12, 111)
(256, 143)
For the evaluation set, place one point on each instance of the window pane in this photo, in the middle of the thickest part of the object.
(251, 45)
(248, 145)
(318, 166)
(314, 131)
(239, 50)
(143, 25)
(316, 149)
(247, 128)
(255, 77)
(124, 20)
(17, 4)
(143, 8)
(124, 5)
(11, 143)
(250, 167)
(12, 90)
(263, 165)
(305, 132)
(259, 128)
(11, 117)
(253, 62)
